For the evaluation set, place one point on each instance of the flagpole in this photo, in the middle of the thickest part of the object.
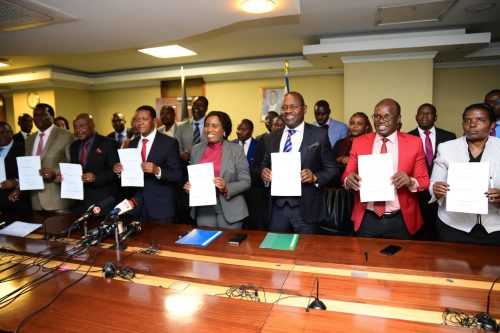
(287, 82)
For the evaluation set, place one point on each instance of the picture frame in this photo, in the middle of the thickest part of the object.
(270, 100)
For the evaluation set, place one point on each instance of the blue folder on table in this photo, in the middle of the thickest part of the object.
(199, 237)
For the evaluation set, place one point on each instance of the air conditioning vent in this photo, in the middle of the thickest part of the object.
(25, 14)
(425, 11)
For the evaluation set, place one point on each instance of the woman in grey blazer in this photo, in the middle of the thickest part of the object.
(232, 175)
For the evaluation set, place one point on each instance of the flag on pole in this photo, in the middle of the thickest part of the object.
(184, 107)
(287, 82)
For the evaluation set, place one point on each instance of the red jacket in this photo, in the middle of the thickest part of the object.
(411, 160)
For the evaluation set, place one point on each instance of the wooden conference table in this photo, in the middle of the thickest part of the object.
(182, 288)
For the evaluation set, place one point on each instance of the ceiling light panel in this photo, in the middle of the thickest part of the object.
(428, 11)
(169, 51)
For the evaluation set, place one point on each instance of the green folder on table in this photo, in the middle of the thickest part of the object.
(280, 241)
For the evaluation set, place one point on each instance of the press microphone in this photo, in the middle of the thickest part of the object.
(95, 209)
(124, 206)
(132, 229)
(485, 320)
(316, 304)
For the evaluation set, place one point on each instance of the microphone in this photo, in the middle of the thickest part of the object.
(132, 229)
(316, 304)
(95, 209)
(124, 206)
(485, 320)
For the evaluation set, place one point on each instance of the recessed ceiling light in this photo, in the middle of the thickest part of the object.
(479, 7)
(169, 51)
(257, 6)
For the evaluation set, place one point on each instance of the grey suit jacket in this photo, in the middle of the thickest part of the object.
(56, 151)
(184, 135)
(236, 173)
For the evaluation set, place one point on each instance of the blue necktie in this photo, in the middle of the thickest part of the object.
(196, 134)
(288, 144)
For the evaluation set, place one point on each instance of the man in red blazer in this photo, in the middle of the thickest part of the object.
(400, 218)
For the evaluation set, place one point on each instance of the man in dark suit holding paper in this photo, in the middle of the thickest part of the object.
(162, 169)
(431, 138)
(300, 214)
(97, 155)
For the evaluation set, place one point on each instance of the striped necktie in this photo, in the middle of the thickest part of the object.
(379, 206)
(196, 134)
(288, 144)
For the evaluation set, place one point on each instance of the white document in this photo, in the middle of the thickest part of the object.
(286, 180)
(202, 192)
(72, 183)
(376, 171)
(19, 229)
(468, 183)
(132, 174)
(29, 173)
(3, 175)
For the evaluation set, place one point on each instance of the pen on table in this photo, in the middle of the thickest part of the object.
(366, 256)
(184, 234)
(2, 223)
(491, 183)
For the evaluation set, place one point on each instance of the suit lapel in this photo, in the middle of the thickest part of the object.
(225, 157)
(199, 153)
(50, 141)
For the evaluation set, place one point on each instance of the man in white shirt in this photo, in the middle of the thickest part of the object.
(245, 139)
(167, 117)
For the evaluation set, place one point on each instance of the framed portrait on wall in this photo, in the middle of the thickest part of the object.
(271, 99)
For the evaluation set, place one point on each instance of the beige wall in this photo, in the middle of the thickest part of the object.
(125, 101)
(407, 81)
(71, 102)
(242, 99)
(451, 90)
(457, 88)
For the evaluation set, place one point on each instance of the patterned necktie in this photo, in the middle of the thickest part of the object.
(120, 138)
(288, 144)
(143, 151)
(379, 206)
(39, 149)
(83, 154)
(429, 154)
(196, 134)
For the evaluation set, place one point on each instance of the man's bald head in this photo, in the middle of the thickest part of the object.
(84, 126)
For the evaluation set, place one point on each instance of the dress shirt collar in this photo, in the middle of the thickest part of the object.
(6, 149)
(200, 122)
(46, 133)
(432, 130)
(299, 128)
(24, 134)
(393, 138)
(150, 137)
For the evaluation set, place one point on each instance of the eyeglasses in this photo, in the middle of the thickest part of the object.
(479, 121)
(493, 101)
(292, 107)
(386, 118)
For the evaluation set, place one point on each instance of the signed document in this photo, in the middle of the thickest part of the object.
(72, 183)
(468, 183)
(286, 179)
(132, 174)
(203, 191)
(376, 171)
(28, 168)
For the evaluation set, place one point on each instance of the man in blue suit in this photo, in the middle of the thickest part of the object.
(245, 139)
(162, 169)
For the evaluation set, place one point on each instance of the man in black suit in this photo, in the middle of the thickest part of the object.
(120, 133)
(9, 150)
(431, 138)
(25, 122)
(162, 169)
(97, 155)
(300, 214)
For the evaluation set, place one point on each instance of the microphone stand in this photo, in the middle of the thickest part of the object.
(317, 304)
(117, 246)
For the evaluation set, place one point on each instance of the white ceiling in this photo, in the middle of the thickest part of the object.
(103, 39)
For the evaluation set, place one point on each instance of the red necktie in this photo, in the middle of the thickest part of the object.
(83, 154)
(379, 206)
(144, 151)
(429, 154)
(39, 149)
